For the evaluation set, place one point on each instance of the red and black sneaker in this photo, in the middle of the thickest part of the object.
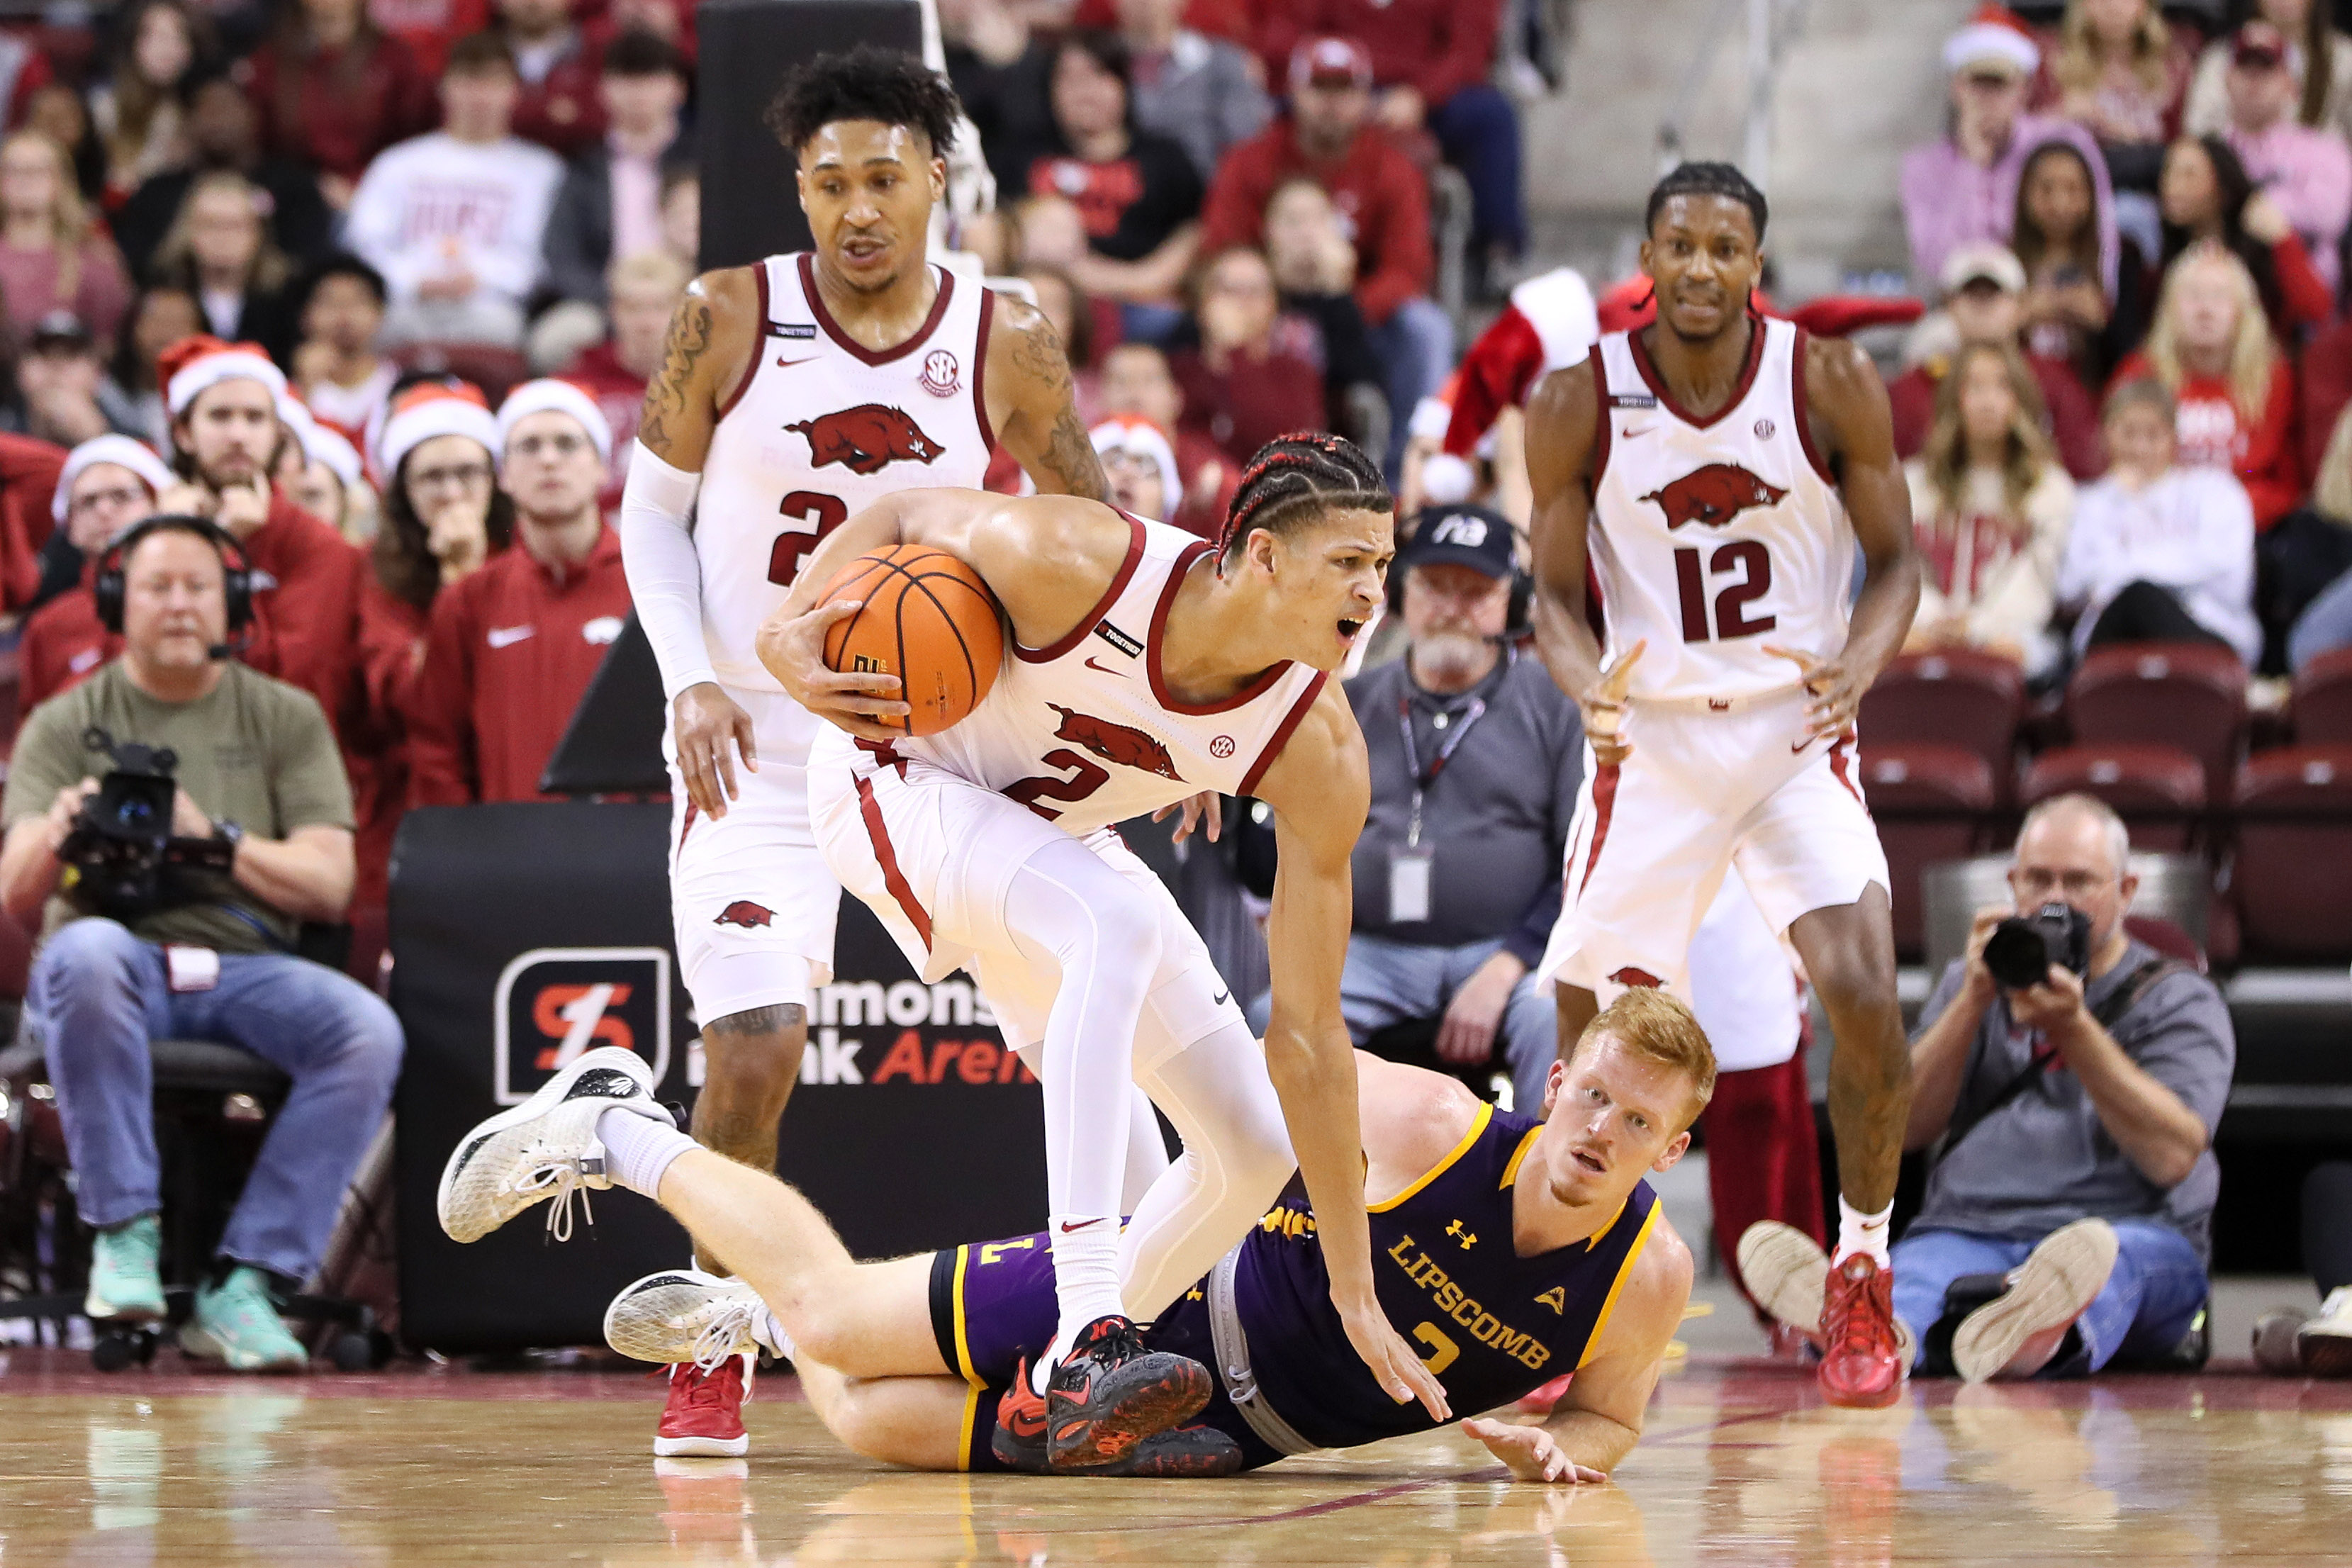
(1019, 1441)
(704, 1417)
(1109, 1393)
(1019, 1444)
(1862, 1365)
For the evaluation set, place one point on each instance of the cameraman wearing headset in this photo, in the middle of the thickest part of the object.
(2074, 1077)
(260, 830)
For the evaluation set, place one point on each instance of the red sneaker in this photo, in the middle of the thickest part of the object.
(704, 1417)
(1862, 1356)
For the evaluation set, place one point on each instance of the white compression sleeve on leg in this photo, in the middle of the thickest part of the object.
(1147, 1152)
(664, 574)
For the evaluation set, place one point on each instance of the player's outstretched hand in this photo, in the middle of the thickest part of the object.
(1833, 687)
(1531, 1453)
(1395, 1366)
(1207, 807)
(1604, 706)
(792, 648)
(707, 721)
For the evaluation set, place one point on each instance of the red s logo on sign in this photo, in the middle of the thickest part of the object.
(574, 1018)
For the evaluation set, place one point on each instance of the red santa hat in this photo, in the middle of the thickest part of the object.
(121, 451)
(551, 394)
(1140, 438)
(193, 364)
(431, 409)
(1993, 34)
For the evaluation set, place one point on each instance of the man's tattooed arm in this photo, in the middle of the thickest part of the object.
(1029, 393)
(702, 352)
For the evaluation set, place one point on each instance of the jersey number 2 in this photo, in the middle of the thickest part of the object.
(1754, 565)
(1083, 782)
(827, 511)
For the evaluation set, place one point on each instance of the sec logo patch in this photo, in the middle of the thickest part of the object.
(553, 1003)
(1221, 747)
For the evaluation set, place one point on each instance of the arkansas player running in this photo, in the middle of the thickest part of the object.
(1514, 1247)
(1717, 469)
(792, 393)
(1147, 666)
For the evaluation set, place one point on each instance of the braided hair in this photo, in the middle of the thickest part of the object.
(1300, 474)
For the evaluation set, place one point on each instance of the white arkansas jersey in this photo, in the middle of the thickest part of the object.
(1087, 734)
(1711, 538)
(821, 427)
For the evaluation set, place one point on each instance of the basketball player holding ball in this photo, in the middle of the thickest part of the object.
(1717, 469)
(792, 393)
(1146, 667)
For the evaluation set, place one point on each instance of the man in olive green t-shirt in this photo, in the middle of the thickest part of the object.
(259, 773)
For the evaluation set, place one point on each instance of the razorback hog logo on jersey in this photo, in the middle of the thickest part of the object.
(866, 439)
(1713, 495)
(745, 913)
(1631, 976)
(1115, 742)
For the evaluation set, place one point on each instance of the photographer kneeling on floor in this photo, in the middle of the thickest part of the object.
(179, 921)
(2074, 1077)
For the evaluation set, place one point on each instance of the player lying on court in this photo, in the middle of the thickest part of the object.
(1510, 1250)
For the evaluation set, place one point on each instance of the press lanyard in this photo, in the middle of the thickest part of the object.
(1420, 781)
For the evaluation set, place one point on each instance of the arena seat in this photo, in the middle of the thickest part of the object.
(1958, 696)
(2322, 704)
(1931, 804)
(2190, 695)
(494, 370)
(2295, 840)
(2167, 939)
(2158, 791)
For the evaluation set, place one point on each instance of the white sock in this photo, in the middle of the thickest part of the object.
(1086, 1280)
(1863, 1233)
(639, 1149)
(769, 1331)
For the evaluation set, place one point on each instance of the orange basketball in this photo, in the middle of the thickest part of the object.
(927, 618)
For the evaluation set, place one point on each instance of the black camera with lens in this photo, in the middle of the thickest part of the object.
(126, 862)
(2021, 949)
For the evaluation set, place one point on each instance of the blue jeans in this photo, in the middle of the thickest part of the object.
(98, 996)
(1479, 128)
(2325, 625)
(2146, 1308)
(1415, 348)
(1388, 983)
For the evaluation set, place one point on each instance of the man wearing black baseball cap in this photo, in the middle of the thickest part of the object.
(1475, 758)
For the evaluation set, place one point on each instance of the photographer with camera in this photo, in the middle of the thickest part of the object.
(170, 823)
(2071, 1078)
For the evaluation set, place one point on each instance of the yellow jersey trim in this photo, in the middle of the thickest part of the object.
(1477, 1127)
(1624, 1272)
(963, 1347)
(972, 1393)
(1511, 1171)
(1605, 1229)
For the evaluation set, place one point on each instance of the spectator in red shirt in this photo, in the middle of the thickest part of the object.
(1430, 60)
(333, 92)
(1329, 137)
(512, 647)
(2206, 194)
(2234, 392)
(1240, 390)
(643, 292)
(1136, 381)
(429, 27)
(29, 478)
(106, 485)
(559, 108)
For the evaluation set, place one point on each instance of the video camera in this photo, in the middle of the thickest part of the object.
(2021, 949)
(126, 861)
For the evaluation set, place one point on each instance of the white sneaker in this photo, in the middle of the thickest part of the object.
(1787, 1273)
(685, 1314)
(2015, 1334)
(544, 1148)
(2324, 1343)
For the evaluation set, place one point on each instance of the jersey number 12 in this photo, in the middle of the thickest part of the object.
(1752, 561)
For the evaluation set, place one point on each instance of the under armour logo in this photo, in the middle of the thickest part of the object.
(1556, 1299)
(1462, 1236)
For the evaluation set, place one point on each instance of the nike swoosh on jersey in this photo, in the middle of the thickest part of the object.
(782, 363)
(1104, 668)
(506, 637)
(1628, 434)
(1218, 999)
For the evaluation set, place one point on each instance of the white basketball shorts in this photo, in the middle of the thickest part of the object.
(1702, 792)
(750, 900)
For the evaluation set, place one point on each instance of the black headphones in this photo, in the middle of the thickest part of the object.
(236, 572)
(1515, 621)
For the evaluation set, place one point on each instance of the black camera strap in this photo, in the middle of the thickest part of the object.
(2109, 1011)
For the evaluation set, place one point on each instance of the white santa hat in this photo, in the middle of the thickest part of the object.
(1994, 33)
(1140, 438)
(331, 447)
(192, 365)
(550, 395)
(119, 450)
(431, 409)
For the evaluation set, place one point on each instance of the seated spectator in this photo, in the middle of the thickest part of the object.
(429, 27)
(2070, 318)
(2067, 1222)
(1329, 137)
(56, 112)
(1314, 269)
(453, 219)
(52, 254)
(1476, 759)
(1240, 390)
(2297, 1343)
(1139, 465)
(2160, 553)
(1002, 75)
(1991, 508)
(610, 203)
(671, 21)
(2318, 55)
(1201, 91)
(1962, 189)
(220, 250)
(513, 646)
(342, 377)
(2121, 74)
(643, 291)
(1084, 325)
(61, 395)
(25, 71)
(681, 214)
(157, 319)
(1984, 291)
(2207, 195)
(326, 478)
(223, 132)
(1136, 381)
(557, 106)
(444, 512)
(1430, 62)
(2307, 550)
(258, 773)
(2307, 170)
(162, 49)
(2212, 350)
(106, 485)
(333, 92)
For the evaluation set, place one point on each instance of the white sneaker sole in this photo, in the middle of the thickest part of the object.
(662, 1317)
(702, 1448)
(2050, 1290)
(550, 1095)
(1786, 1272)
